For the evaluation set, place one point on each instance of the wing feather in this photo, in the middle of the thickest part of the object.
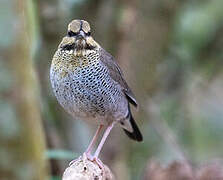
(116, 74)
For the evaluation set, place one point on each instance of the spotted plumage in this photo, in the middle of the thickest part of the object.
(89, 84)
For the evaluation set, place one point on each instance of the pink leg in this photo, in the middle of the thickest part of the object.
(107, 131)
(94, 139)
(87, 152)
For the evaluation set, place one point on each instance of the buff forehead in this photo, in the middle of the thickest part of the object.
(74, 26)
(86, 27)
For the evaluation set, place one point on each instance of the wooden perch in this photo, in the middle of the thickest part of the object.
(84, 169)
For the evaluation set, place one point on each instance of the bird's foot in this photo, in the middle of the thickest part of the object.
(83, 157)
(98, 162)
(94, 159)
(88, 156)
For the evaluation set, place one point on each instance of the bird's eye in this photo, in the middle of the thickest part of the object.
(89, 33)
(71, 33)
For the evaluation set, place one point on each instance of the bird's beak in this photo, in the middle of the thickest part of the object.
(81, 35)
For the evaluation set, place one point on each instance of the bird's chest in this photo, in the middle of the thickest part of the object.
(82, 85)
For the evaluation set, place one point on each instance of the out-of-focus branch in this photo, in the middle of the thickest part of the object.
(25, 149)
(84, 169)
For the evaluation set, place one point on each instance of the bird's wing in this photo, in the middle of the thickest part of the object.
(116, 74)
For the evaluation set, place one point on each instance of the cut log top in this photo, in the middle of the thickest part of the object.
(84, 169)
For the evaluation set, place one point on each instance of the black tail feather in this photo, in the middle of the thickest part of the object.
(136, 134)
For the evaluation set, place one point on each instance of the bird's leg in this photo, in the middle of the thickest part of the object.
(98, 150)
(88, 151)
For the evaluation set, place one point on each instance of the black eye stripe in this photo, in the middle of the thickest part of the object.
(88, 34)
(71, 33)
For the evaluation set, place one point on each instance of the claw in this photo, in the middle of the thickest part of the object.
(99, 162)
(88, 156)
(94, 159)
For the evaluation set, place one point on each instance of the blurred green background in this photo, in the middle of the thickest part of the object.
(171, 54)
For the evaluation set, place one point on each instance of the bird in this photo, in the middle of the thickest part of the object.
(89, 84)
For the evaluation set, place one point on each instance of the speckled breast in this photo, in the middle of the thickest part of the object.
(83, 86)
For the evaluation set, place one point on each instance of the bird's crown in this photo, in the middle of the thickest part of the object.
(78, 38)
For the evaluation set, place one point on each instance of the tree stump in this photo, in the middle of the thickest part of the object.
(84, 169)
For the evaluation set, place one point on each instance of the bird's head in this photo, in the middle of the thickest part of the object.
(78, 38)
